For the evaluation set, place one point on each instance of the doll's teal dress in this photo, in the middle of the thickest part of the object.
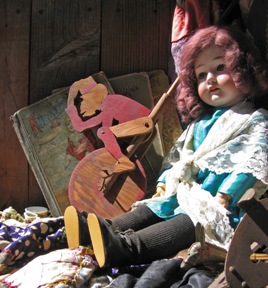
(232, 184)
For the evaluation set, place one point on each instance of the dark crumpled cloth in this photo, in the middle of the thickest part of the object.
(166, 274)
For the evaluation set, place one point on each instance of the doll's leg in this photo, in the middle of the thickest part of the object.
(77, 229)
(136, 219)
(157, 241)
(164, 239)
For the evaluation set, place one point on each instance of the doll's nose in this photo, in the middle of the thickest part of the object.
(211, 78)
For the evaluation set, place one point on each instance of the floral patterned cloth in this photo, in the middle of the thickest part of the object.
(26, 241)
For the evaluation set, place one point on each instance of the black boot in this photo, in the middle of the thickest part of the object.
(76, 228)
(111, 248)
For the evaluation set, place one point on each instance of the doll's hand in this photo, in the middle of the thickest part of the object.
(160, 189)
(223, 199)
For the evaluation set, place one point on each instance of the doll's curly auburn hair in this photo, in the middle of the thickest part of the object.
(242, 61)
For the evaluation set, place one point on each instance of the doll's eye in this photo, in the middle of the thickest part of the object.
(221, 67)
(201, 75)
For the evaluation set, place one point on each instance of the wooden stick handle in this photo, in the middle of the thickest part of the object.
(160, 105)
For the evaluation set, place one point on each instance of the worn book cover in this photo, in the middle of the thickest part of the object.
(169, 124)
(134, 85)
(53, 148)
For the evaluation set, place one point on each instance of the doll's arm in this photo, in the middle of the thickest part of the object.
(223, 199)
(161, 184)
(234, 187)
(160, 189)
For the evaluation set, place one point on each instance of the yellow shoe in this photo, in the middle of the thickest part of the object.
(71, 222)
(76, 227)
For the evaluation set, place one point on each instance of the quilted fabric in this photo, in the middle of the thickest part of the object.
(59, 268)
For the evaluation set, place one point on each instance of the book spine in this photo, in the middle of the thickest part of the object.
(33, 161)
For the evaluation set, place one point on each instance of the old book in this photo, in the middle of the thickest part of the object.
(100, 77)
(169, 130)
(53, 148)
(134, 85)
(166, 131)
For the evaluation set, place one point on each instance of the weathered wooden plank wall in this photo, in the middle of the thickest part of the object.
(14, 79)
(47, 44)
(135, 36)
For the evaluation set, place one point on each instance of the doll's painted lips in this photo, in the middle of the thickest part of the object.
(213, 89)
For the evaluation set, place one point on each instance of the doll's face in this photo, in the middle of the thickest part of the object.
(215, 84)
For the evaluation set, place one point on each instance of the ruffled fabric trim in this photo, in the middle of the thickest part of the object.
(201, 207)
(245, 152)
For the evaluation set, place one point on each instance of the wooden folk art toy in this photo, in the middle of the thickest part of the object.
(97, 107)
(109, 180)
(246, 263)
(247, 258)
